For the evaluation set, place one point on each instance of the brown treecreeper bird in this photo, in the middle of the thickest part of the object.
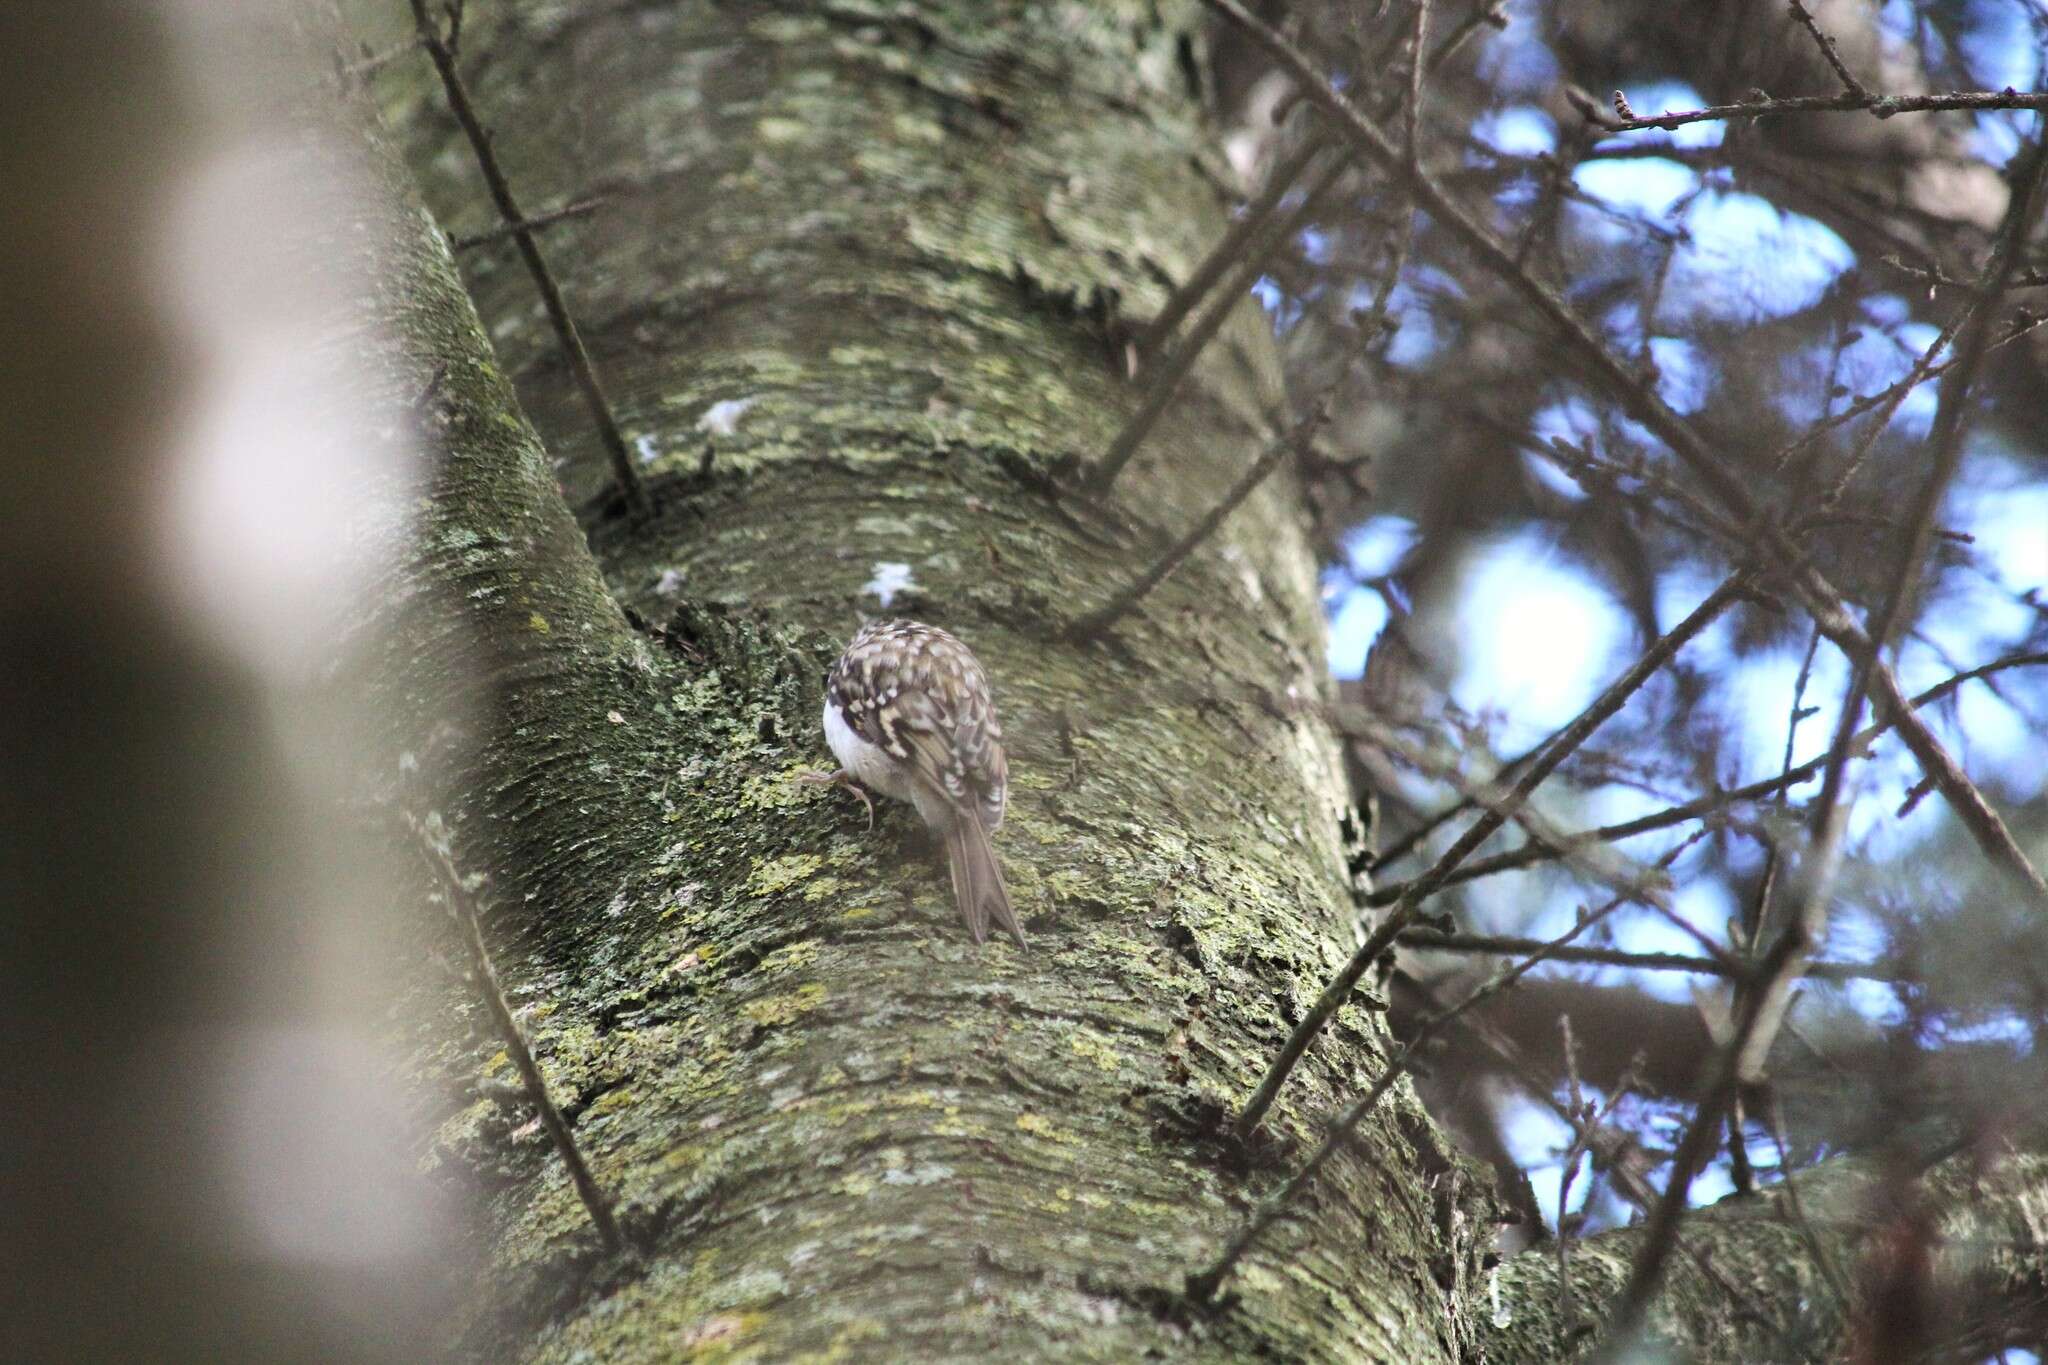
(908, 714)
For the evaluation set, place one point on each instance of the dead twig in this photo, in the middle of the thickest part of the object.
(623, 473)
(1726, 483)
(462, 907)
(1437, 940)
(1618, 873)
(1827, 50)
(1882, 106)
(539, 220)
(1702, 1137)
(1248, 243)
(1586, 1123)
(1700, 807)
(1411, 105)
(1403, 913)
(1230, 248)
(1275, 453)
(1830, 817)
(1203, 1284)
(1163, 380)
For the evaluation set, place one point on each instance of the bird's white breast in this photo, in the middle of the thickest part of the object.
(875, 769)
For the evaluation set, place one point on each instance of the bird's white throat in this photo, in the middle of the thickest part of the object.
(874, 769)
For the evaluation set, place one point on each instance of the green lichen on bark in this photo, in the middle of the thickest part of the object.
(909, 241)
(901, 244)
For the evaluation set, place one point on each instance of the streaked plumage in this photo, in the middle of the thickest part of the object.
(908, 713)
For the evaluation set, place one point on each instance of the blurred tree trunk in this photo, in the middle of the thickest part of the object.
(858, 286)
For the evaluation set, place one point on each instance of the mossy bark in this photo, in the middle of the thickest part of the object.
(901, 247)
(859, 289)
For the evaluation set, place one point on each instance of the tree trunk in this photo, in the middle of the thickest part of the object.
(859, 287)
(901, 252)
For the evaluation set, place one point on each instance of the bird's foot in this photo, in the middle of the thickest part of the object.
(843, 778)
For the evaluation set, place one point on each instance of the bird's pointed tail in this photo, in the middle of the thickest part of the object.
(978, 881)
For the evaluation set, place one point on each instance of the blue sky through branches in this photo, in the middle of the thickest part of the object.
(1537, 634)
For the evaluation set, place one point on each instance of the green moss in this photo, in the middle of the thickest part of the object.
(1095, 1049)
(1040, 1126)
(776, 1010)
(611, 1102)
(793, 957)
(773, 876)
(799, 1073)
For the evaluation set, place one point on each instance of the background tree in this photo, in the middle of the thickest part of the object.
(823, 312)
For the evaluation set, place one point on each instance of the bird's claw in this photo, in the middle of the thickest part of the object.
(843, 778)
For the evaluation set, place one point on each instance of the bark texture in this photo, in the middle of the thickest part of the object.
(859, 289)
(899, 247)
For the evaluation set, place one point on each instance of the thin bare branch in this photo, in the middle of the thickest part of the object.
(1702, 1138)
(1230, 248)
(1163, 380)
(1586, 1123)
(539, 220)
(1278, 181)
(1619, 874)
(1923, 369)
(1727, 484)
(1493, 15)
(1883, 106)
(1951, 417)
(1275, 453)
(462, 907)
(1411, 107)
(1704, 806)
(1800, 711)
(1830, 818)
(623, 473)
(1404, 845)
(1827, 51)
(1788, 1185)
(1203, 1284)
(1247, 244)
(1982, 821)
(1605, 705)
(1436, 940)
(1575, 1100)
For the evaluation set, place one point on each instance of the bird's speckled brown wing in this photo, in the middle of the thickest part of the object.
(920, 695)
